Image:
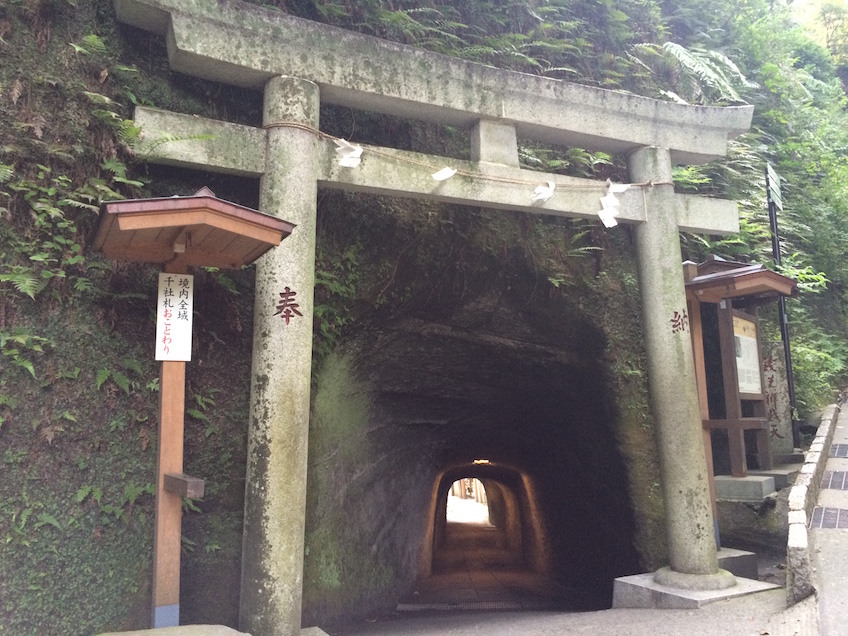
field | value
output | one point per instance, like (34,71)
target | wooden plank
(732,405)
(216,242)
(192,258)
(240,245)
(738,459)
(168,506)
(143,237)
(727,344)
(743,424)
(219,220)
(166,547)
(199,234)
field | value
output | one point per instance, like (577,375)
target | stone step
(784,475)
(739,563)
(750,488)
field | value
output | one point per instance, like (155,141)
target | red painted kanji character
(287,306)
(679,321)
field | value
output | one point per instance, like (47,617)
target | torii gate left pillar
(275,492)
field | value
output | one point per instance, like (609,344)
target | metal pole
(781,310)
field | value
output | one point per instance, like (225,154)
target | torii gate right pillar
(673,390)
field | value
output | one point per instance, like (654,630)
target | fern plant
(701,76)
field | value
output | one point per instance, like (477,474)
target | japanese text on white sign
(174,307)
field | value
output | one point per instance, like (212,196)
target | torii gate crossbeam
(298,63)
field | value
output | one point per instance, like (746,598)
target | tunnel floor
(475,570)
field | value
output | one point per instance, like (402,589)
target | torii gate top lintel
(209,39)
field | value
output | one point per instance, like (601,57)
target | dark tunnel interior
(530,395)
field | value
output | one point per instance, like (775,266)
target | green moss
(340,410)
(617,291)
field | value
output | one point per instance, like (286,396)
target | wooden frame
(736,422)
(196,231)
(721,282)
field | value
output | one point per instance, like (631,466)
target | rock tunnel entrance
(496,541)
(519,380)
(495,562)
(507,560)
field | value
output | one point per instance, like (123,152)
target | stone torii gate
(298,63)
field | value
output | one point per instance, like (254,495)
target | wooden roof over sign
(716,279)
(195,231)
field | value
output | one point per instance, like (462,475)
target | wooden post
(733,409)
(761,435)
(168,519)
(180,232)
(694,307)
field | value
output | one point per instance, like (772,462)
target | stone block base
(183,630)
(641,591)
(750,488)
(796,457)
(203,630)
(739,563)
(784,475)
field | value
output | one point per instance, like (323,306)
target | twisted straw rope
(465,173)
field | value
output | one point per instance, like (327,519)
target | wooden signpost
(178,233)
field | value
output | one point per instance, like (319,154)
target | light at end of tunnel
(481,461)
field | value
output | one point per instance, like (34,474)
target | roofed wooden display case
(723,297)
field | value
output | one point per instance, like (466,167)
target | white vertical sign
(747,356)
(174,307)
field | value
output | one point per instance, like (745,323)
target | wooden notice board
(728,294)
(749,376)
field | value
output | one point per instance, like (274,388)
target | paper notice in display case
(747,355)
(174,309)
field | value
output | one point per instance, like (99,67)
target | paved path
(829,536)
(745,616)
(763,614)
(476,578)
